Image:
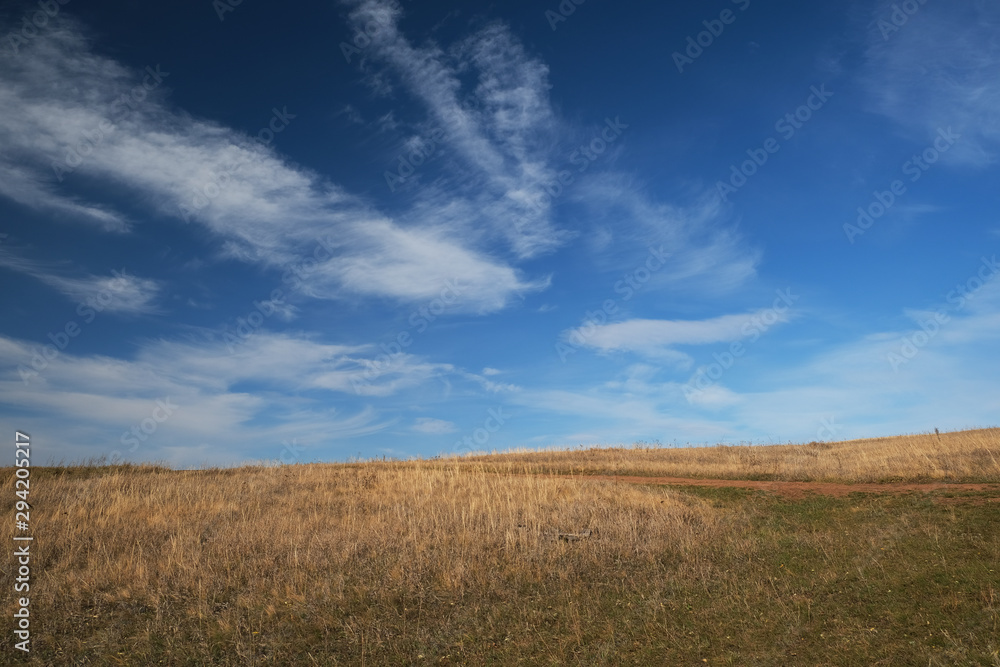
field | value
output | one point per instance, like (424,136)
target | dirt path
(800,489)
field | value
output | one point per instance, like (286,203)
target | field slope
(527,558)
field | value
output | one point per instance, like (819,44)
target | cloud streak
(60,97)
(938,70)
(289,376)
(120,293)
(503,129)
(640,335)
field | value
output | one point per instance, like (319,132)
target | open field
(481,561)
(964,456)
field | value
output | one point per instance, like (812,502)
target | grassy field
(480,561)
(964,456)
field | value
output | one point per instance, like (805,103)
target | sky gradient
(239,232)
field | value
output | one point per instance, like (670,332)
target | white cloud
(211,388)
(491,386)
(120,292)
(429,426)
(421,265)
(714,396)
(292,363)
(656,337)
(28,188)
(614,417)
(938,70)
(938,381)
(503,129)
(849,390)
(123,293)
(704,254)
(59,97)
(500,127)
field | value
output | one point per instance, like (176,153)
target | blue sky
(243,232)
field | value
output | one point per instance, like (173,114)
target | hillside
(483,561)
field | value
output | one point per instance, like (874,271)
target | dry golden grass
(968,456)
(239,551)
(445,562)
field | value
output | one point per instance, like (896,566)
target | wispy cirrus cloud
(938,70)
(268,211)
(271,387)
(490,98)
(843,391)
(430,426)
(658,337)
(120,292)
(503,128)
(59,98)
(30,188)
(706,255)
(289,362)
